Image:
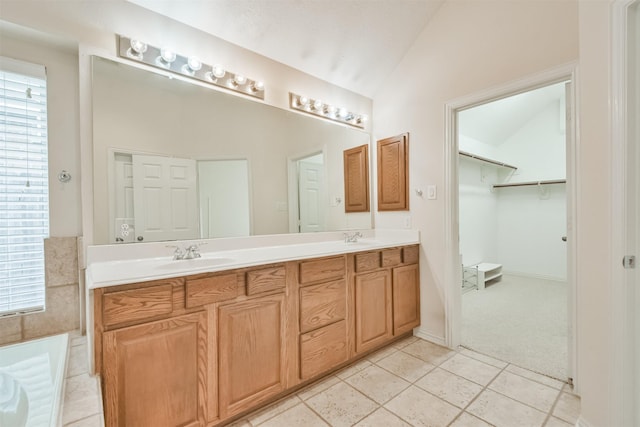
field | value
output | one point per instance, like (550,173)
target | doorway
(453,293)
(307,191)
(512,222)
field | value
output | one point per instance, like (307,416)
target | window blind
(24,189)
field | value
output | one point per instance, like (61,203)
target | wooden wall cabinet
(393,173)
(356,179)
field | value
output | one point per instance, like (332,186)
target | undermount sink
(185,264)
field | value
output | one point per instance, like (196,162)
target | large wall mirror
(174,160)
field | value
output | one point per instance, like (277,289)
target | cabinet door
(406,299)
(373,309)
(356,179)
(155,374)
(251,345)
(393,174)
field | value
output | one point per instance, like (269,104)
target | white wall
(467,47)
(478,212)
(62,122)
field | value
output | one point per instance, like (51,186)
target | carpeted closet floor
(521,320)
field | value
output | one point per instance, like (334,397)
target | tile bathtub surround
(62,301)
(417,383)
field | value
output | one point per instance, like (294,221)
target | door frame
(452,289)
(623,385)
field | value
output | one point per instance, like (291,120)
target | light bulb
(330,110)
(194,63)
(364,118)
(167,55)
(239,79)
(257,86)
(138,47)
(218,71)
(342,113)
(317,105)
(304,101)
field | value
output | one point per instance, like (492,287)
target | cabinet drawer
(322,304)
(391,257)
(265,279)
(211,289)
(323,349)
(322,270)
(137,304)
(367,261)
(410,255)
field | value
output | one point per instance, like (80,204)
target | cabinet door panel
(251,344)
(373,309)
(155,373)
(323,349)
(406,299)
(322,304)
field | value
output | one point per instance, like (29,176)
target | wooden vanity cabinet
(202,349)
(155,373)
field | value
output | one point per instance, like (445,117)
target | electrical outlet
(432,192)
(406,222)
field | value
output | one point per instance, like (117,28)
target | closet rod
(522,184)
(484,159)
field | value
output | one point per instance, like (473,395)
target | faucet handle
(178,253)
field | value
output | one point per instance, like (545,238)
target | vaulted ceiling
(354,44)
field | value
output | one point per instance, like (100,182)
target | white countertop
(111,265)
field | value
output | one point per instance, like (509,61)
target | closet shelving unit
(528,183)
(486,160)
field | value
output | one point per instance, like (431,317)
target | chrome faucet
(190,252)
(352,238)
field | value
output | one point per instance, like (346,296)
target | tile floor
(417,383)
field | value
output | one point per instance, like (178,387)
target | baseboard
(582,423)
(534,276)
(429,337)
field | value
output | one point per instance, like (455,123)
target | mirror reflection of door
(223,189)
(165,202)
(311,193)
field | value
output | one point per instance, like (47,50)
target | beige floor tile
(405,342)
(81,398)
(567,408)
(273,410)
(350,370)
(77,338)
(501,411)
(381,354)
(240,423)
(317,387)
(447,386)
(92,421)
(483,358)
(543,379)
(342,405)
(556,422)
(299,415)
(382,417)
(420,408)
(406,366)
(525,390)
(471,369)
(78,361)
(428,352)
(377,384)
(468,420)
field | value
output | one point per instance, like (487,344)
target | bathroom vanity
(209,339)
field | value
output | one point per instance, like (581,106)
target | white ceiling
(354,44)
(495,122)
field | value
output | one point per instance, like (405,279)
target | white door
(165,202)
(223,191)
(310,179)
(124,230)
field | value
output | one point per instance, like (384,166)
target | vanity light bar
(167,59)
(327,111)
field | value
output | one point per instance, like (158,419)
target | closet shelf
(522,184)
(486,160)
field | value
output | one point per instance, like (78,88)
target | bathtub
(31,380)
